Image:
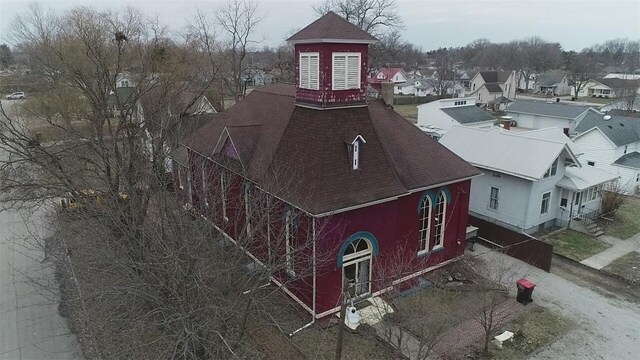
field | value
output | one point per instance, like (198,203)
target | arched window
(356,267)
(439,221)
(425,224)
(290,234)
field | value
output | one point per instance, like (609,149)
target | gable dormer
(330,59)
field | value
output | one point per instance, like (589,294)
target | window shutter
(314,69)
(353,67)
(339,72)
(304,71)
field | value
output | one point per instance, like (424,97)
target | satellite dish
(607,117)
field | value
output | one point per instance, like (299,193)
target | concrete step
(598,233)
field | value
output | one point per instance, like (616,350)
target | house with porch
(609,88)
(531,180)
(612,143)
(553,83)
(346,177)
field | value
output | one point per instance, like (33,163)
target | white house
(124,80)
(530,181)
(440,115)
(540,114)
(490,85)
(612,143)
(608,88)
(396,75)
(405,88)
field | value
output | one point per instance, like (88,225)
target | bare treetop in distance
(372,16)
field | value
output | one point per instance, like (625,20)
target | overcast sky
(428,23)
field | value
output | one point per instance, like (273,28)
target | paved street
(603,327)
(30,326)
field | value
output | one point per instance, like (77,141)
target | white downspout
(313,300)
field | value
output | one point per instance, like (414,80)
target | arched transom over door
(356,267)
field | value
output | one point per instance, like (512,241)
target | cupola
(331,57)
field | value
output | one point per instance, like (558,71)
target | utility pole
(343,313)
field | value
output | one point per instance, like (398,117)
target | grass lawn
(410,110)
(595,100)
(626,220)
(576,246)
(627,266)
(538,327)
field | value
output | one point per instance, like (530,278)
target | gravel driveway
(604,327)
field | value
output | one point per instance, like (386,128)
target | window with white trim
(247,207)
(289,234)
(205,193)
(439,221)
(223,193)
(425,224)
(309,70)
(493,198)
(356,154)
(346,71)
(544,204)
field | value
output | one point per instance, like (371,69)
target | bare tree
(372,16)
(581,71)
(443,80)
(238,19)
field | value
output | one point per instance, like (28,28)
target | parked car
(16,96)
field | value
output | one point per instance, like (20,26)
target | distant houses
(491,85)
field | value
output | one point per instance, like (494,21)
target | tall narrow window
(289,233)
(425,224)
(309,71)
(205,192)
(493,198)
(247,207)
(441,212)
(346,71)
(544,205)
(179,178)
(223,193)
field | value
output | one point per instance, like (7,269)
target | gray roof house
(540,114)
(552,83)
(437,117)
(531,180)
(612,143)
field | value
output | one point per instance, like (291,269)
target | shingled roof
(621,130)
(331,27)
(275,138)
(495,76)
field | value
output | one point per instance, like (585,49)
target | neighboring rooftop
(468,114)
(631,159)
(493,87)
(578,179)
(621,130)
(551,109)
(495,76)
(550,79)
(617,83)
(505,152)
(331,27)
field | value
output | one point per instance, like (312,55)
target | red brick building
(347,178)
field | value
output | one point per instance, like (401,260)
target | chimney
(387,93)
(505,122)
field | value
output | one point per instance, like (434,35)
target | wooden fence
(515,244)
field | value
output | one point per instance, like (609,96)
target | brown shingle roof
(277,140)
(332,26)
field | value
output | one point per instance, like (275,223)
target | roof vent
(621,124)
(607,117)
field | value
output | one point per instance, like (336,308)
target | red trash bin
(525,291)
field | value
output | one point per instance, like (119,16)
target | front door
(356,269)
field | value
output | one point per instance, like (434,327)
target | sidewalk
(617,250)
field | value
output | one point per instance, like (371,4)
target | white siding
(539,121)
(598,149)
(514,193)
